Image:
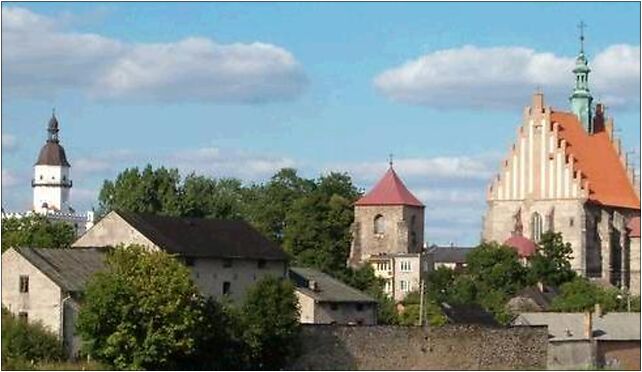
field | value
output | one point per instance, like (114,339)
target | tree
(144,312)
(439,284)
(495,266)
(27,342)
(270,318)
(551,263)
(36,231)
(150,191)
(432,312)
(205,197)
(580,294)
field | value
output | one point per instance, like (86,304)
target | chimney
(588,325)
(312,284)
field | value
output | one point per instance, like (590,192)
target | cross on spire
(581,26)
(390,159)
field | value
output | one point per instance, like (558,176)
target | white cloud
(9,142)
(440,167)
(229,163)
(503,77)
(40,57)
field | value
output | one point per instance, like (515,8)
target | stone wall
(624,355)
(451,347)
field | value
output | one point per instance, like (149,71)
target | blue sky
(242,89)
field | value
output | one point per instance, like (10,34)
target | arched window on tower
(378,224)
(536,227)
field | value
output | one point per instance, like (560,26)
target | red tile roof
(524,246)
(596,157)
(390,190)
(634,227)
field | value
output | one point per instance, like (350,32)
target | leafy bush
(24,343)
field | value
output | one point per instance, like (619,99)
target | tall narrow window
(536,227)
(405,266)
(24,283)
(404,286)
(378,224)
(226,288)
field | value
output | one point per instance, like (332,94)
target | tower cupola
(581,99)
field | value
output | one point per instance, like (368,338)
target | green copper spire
(581,99)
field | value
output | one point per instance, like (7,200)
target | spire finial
(390,159)
(581,26)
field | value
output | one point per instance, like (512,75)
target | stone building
(566,172)
(388,233)
(45,285)
(325,300)
(634,247)
(52,185)
(224,256)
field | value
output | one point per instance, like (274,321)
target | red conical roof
(390,190)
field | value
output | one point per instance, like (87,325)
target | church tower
(387,220)
(51,183)
(581,99)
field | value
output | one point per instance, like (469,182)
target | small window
(404,286)
(24,284)
(227,288)
(261,264)
(334,307)
(359,307)
(227,262)
(41,176)
(405,266)
(536,227)
(23,316)
(571,222)
(378,224)
(64,178)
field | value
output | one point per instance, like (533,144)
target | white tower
(51,183)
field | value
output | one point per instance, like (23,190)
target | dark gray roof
(329,289)
(468,314)
(449,254)
(204,237)
(543,299)
(52,153)
(69,268)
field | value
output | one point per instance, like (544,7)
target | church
(567,172)
(52,185)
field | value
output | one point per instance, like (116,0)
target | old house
(587,340)
(224,256)
(567,172)
(388,234)
(450,257)
(45,285)
(325,300)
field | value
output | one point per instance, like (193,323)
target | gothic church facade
(567,172)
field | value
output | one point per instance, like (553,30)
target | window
(378,224)
(261,264)
(404,286)
(536,227)
(387,287)
(227,262)
(334,306)
(23,316)
(571,222)
(405,266)
(359,307)
(413,239)
(24,284)
(41,176)
(227,288)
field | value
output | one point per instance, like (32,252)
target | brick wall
(413,348)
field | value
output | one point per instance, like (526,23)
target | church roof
(524,246)
(52,153)
(390,190)
(596,157)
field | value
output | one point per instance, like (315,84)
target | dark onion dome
(52,154)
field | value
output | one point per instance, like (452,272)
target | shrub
(27,342)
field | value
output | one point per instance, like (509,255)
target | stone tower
(387,220)
(51,183)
